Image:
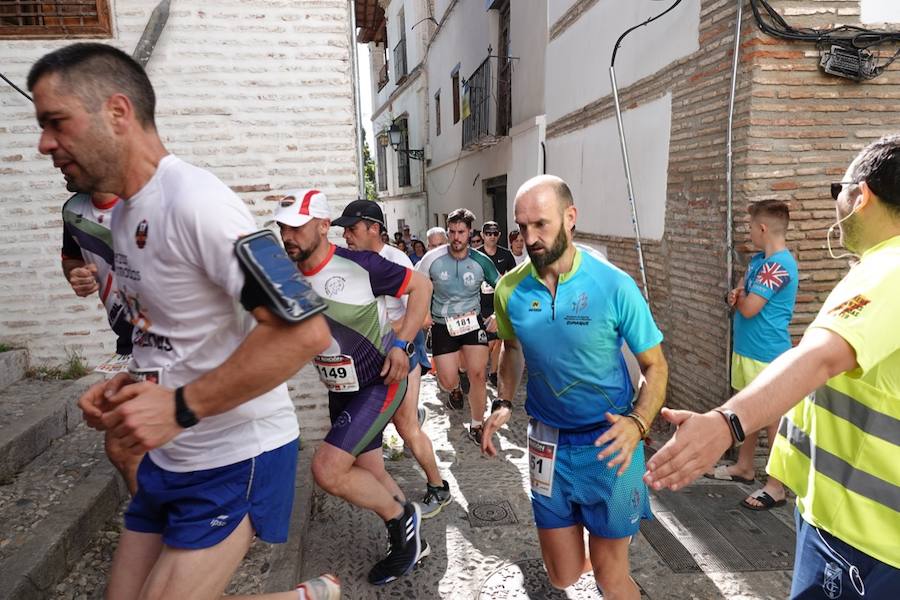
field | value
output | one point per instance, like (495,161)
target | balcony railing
(383,76)
(400,60)
(477,124)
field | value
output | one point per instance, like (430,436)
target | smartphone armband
(264,259)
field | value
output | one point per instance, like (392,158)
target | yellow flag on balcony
(466,101)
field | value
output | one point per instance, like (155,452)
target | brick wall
(259,92)
(796,129)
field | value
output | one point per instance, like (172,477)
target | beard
(551,255)
(299,254)
(850,233)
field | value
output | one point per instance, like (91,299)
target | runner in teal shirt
(568,313)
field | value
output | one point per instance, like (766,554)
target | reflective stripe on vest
(840,456)
(839,470)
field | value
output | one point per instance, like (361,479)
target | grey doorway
(495,200)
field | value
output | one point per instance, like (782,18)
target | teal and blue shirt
(765,336)
(573,342)
(457,282)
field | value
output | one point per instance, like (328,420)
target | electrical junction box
(851,63)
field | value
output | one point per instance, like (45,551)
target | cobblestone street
(484,544)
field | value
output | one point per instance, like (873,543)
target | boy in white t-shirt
(209,405)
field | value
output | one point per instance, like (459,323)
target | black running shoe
(456,399)
(436,498)
(406,547)
(464,382)
(476,434)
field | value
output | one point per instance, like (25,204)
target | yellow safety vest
(839,448)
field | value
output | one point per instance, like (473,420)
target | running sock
(475,423)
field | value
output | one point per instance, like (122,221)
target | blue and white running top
(457,283)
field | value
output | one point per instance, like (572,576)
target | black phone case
(293,309)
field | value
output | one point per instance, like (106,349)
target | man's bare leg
(447,366)
(476,355)
(335,472)
(133,560)
(407,423)
(612,570)
(373,462)
(564,555)
(124,461)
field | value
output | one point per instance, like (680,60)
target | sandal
(767,501)
(720,473)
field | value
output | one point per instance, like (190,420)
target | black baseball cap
(360,210)
(490,227)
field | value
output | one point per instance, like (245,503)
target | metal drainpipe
(354,64)
(729,183)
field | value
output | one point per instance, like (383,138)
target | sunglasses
(492,233)
(837,186)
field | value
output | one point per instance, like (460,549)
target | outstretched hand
(699,441)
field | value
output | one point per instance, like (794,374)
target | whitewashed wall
(259,92)
(578,60)
(590,161)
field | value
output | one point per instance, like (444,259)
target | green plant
(75,367)
(5,347)
(369,175)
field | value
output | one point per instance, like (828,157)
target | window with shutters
(61,19)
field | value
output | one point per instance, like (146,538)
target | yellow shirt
(839,448)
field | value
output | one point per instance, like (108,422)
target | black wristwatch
(734,425)
(407,347)
(184,416)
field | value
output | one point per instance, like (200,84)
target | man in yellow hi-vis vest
(839,447)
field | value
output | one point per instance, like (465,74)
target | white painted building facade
(588,157)
(258,92)
(480,48)
(399,90)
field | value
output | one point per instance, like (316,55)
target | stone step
(50,511)
(13,364)
(33,413)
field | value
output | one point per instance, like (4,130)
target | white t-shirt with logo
(178,274)
(396,307)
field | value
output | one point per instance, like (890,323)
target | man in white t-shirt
(363,223)
(207,400)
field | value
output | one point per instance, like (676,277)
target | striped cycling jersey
(87,237)
(354,285)
(457,283)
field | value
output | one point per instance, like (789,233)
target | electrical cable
(15,87)
(627,31)
(849,37)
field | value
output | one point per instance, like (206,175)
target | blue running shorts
(420,356)
(587,492)
(199,509)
